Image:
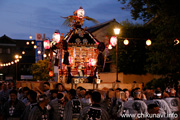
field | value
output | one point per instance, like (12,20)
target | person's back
(136,106)
(57,108)
(94,112)
(73,106)
(162,104)
(39,112)
(32,97)
(173,101)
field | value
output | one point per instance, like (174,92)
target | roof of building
(99,26)
(6,40)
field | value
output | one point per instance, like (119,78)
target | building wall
(129,78)
(23,67)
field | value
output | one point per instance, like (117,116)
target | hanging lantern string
(17,58)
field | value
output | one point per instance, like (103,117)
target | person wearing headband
(163,106)
(40,112)
(57,107)
(136,106)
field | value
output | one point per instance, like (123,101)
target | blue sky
(21,18)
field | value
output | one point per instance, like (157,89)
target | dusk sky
(21,18)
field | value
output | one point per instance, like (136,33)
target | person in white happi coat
(173,101)
(163,106)
(136,106)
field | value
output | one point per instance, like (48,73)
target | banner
(39,50)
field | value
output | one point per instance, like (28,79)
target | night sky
(21,18)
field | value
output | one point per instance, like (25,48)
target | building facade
(16,70)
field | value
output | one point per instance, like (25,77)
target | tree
(40,70)
(163,17)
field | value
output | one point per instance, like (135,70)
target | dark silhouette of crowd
(81,104)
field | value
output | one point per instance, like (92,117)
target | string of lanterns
(12,62)
(17,57)
(113,42)
(48,44)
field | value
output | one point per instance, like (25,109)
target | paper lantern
(148,42)
(56,37)
(80,12)
(126,42)
(92,62)
(176,41)
(51,73)
(47,44)
(113,40)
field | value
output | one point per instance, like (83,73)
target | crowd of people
(81,104)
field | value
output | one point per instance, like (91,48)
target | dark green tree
(40,70)
(163,17)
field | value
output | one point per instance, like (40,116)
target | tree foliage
(168,81)
(163,17)
(40,70)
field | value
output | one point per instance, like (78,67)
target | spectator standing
(60,88)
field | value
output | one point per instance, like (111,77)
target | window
(8,50)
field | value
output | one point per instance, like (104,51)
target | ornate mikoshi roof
(82,37)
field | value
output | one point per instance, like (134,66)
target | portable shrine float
(79,53)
